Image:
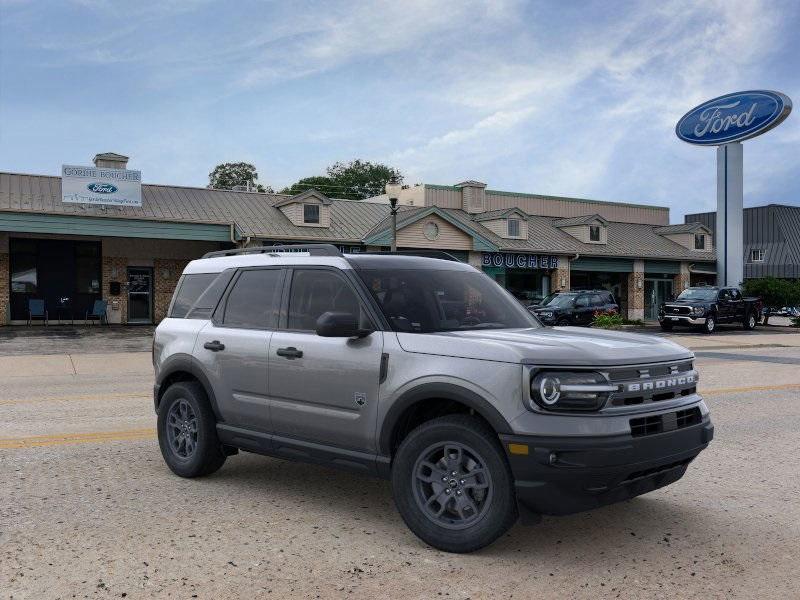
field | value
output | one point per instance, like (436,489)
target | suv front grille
(654,424)
(652,383)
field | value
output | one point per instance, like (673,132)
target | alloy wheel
(182,429)
(452,486)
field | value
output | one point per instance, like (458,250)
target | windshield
(430,301)
(698,294)
(559,300)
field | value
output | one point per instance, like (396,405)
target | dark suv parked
(575,307)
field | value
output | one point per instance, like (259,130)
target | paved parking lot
(87,508)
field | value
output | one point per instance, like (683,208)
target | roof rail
(440,254)
(312,249)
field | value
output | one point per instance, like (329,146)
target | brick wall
(636,291)
(559,278)
(115,268)
(682,280)
(166,272)
(4,290)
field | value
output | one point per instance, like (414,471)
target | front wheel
(710,325)
(187,431)
(452,484)
(750,321)
(665,326)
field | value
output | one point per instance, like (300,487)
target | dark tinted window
(317,291)
(311,213)
(189,290)
(735,295)
(426,301)
(597,300)
(253,301)
(582,302)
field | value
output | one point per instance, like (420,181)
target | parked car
(706,307)
(476,412)
(575,307)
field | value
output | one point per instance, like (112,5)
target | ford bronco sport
(422,371)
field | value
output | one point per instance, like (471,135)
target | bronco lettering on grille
(661,384)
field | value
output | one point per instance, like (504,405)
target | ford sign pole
(725,122)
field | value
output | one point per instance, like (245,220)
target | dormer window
(513,228)
(311,214)
(594,233)
(699,241)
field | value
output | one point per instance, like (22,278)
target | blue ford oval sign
(101,188)
(733,117)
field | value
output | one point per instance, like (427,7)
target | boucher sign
(519,261)
(93,185)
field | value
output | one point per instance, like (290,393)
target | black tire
(750,321)
(461,440)
(563,323)
(710,326)
(666,326)
(189,450)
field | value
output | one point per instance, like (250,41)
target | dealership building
(70,248)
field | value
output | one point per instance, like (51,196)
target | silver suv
(423,371)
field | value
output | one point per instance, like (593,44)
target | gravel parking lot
(88,509)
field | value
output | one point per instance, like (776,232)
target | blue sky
(565,98)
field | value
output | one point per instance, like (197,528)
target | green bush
(774,292)
(795,321)
(607,320)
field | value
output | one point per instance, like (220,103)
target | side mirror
(340,324)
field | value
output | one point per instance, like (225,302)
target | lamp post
(393,188)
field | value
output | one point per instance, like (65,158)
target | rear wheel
(187,432)
(750,321)
(452,484)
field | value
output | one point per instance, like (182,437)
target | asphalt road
(88,509)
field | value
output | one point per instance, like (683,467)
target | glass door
(656,292)
(140,295)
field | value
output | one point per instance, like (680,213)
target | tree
(317,182)
(355,180)
(774,292)
(228,175)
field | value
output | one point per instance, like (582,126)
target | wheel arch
(412,400)
(182,367)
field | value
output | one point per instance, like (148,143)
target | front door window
(140,295)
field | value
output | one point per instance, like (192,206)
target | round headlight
(549,390)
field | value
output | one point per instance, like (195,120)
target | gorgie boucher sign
(93,185)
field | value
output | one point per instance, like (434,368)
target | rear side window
(597,300)
(582,302)
(188,291)
(253,302)
(317,291)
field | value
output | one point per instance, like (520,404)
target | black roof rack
(440,254)
(312,249)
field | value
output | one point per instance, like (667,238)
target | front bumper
(682,320)
(564,475)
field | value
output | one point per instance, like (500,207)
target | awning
(703,269)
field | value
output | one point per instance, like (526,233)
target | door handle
(214,346)
(290,352)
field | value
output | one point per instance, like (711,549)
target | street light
(393,188)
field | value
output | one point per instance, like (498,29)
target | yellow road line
(752,388)
(76,438)
(74,398)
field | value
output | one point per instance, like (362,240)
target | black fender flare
(187,364)
(446,391)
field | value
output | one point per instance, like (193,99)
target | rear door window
(189,290)
(582,302)
(253,301)
(317,291)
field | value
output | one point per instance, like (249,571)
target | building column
(5,295)
(115,268)
(559,277)
(166,272)
(475,259)
(682,280)
(636,291)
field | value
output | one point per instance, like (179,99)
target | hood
(562,346)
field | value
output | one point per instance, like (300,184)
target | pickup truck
(706,307)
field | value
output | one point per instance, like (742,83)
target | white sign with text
(95,185)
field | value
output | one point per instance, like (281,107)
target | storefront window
(87,268)
(24,275)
